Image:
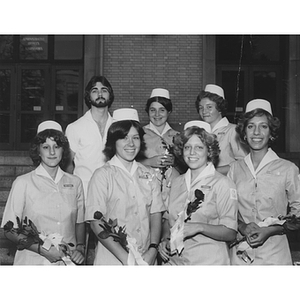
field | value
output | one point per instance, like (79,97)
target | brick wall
(135,64)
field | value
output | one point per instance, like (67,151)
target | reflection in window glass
(66,90)
(248,48)
(5,82)
(32,90)
(6,47)
(264,86)
(229,84)
(65,119)
(4,127)
(29,123)
(34,47)
(68,47)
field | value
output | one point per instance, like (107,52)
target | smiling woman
(268,188)
(159,140)
(126,191)
(199,238)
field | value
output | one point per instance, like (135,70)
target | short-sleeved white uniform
(219,208)
(230,147)
(54,206)
(128,197)
(266,192)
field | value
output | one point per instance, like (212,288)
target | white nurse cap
(125,114)
(160,93)
(199,124)
(215,89)
(259,103)
(49,125)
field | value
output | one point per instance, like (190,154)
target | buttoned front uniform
(156,145)
(87,144)
(54,206)
(266,192)
(129,197)
(219,208)
(230,147)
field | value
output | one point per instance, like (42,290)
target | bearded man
(87,135)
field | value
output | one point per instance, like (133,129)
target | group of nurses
(260,186)
(246,205)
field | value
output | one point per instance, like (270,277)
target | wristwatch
(153,245)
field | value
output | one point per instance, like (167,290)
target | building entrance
(34,90)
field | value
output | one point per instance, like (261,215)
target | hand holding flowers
(51,246)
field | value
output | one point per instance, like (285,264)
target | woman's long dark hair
(57,136)
(119,130)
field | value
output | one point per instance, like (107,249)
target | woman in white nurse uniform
(267,185)
(128,191)
(203,238)
(51,198)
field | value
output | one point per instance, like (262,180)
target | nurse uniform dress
(262,193)
(230,147)
(219,208)
(156,145)
(54,206)
(128,197)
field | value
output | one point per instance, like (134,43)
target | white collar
(222,123)
(269,156)
(115,161)
(41,171)
(88,114)
(153,128)
(208,170)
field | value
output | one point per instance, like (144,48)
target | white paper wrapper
(244,246)
(134,256)
(55,239)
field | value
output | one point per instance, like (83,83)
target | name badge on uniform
(68,185)
(146,175)
(206,187)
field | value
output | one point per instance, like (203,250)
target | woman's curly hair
(57,136)
(118,131)
(221,103)
(208,139)
(274,124)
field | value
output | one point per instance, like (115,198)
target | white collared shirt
(269,156)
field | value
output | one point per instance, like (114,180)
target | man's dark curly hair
(93,81)
(274,124)
(208,139)
(119,130)
(221,103)
(57,136)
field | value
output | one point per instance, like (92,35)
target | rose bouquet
(111,228)
(27,232)
(194,205)
(119,235)
(177,236)
(28,235)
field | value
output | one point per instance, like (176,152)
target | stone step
(3,196)
(6,182)
(15,160)
(14,170)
